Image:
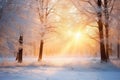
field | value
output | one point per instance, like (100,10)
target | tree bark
(118,48)
(41,50)
(20,55)
(20,51)
(101,34)
(106,13)
(107,41)
(102,45)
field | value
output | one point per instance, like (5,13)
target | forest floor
(59,69)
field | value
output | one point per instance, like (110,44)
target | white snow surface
(59,69)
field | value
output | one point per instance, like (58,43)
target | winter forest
(59,39)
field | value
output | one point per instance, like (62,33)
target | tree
(14,16)
(106,13)
(101,34)
(44,9)
(118,39)
(20,50)
(118,46)
(116,13)
(95,11)
(108,7)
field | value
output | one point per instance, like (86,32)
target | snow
(23,14)
(60,69)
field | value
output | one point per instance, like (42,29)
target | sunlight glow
(73,39)
(78,35)
(70,33)
(75,35)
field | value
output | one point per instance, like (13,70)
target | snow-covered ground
(60,69)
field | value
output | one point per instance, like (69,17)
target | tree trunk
(34,49)
(20,55)
(41,50)
(20,51)
(106,13)
(101,35)
(118,48)
(107,41)
(102,45)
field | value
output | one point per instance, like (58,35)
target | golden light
(74,35)
(69,33)
(73,38)
(77,35)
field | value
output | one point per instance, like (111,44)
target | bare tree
(19,56)
(106,26)
(11,24)
(118,39)
(101,34)
(116,14)
(118,45)
(95,10)
(108,6)
(44,9)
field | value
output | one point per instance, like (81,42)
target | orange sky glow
(72,38)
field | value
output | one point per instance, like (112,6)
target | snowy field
(59,69)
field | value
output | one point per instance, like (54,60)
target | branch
(94,38)
(92,4)
(48,12)
(76,5)
(112,7)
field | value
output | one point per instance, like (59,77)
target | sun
(77,35)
